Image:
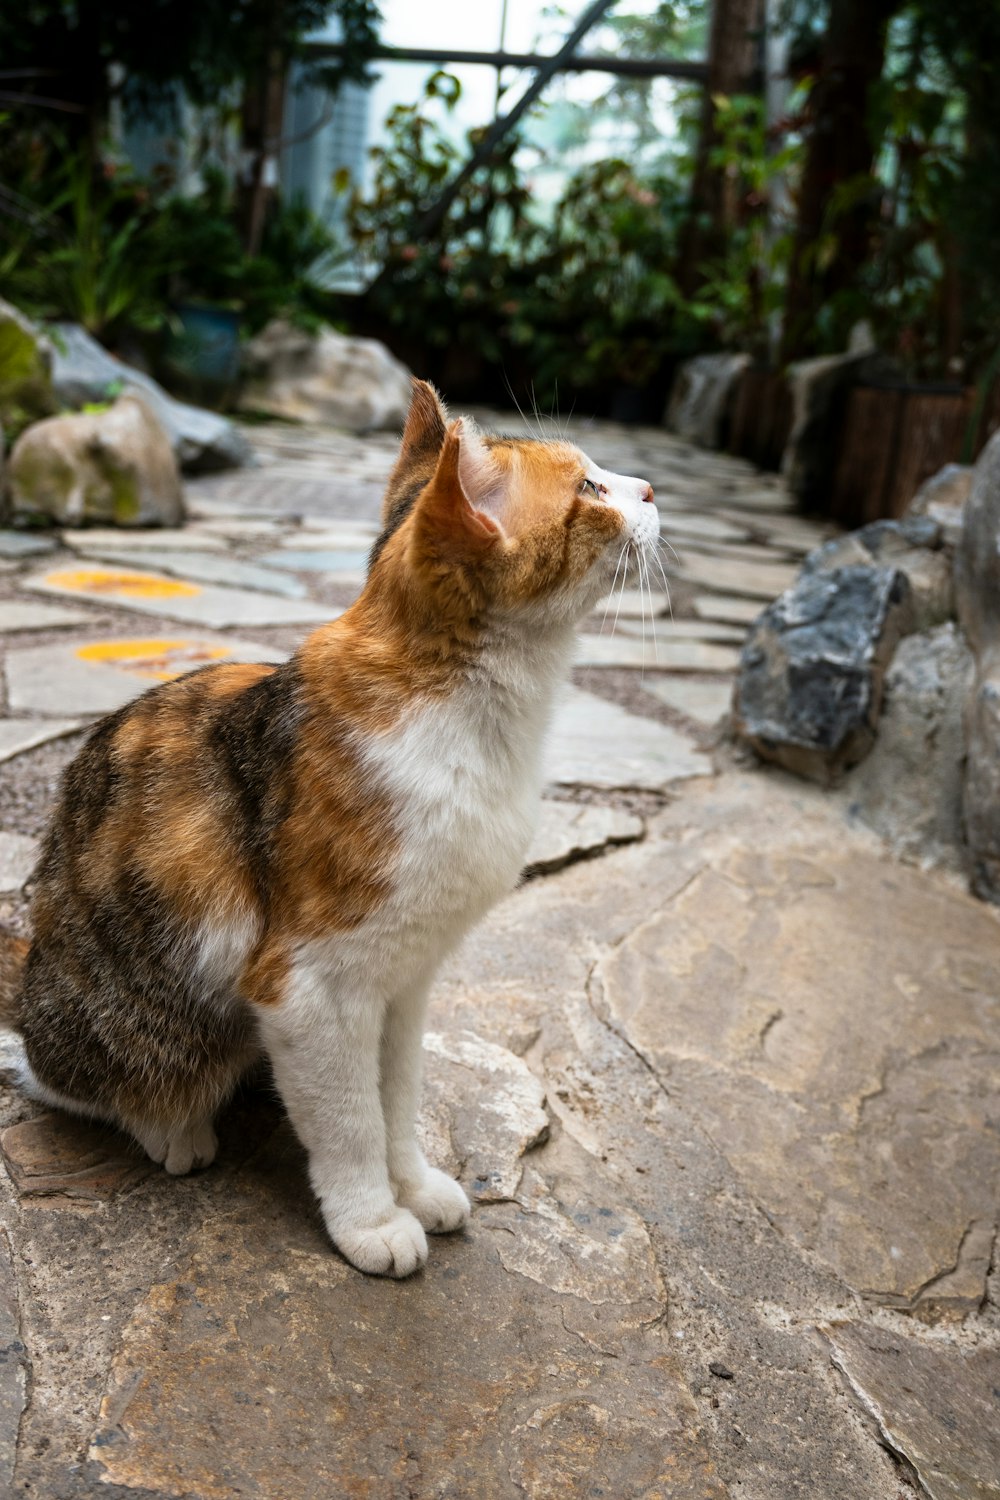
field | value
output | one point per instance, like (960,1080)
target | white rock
(329,377)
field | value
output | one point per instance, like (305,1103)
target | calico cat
(260,859)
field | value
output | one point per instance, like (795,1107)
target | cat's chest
(464,791)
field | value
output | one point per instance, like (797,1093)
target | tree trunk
(734,55)
(839,151)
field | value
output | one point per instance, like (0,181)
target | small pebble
(720,1370)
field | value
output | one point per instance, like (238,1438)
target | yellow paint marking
(162,660)
(114,581)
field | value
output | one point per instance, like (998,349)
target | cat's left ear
(465,501)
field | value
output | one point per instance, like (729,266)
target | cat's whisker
(611,591)
(661,541)
(621,591)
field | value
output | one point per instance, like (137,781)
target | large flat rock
(98,676)
(568,831)
(205,605)
(596,743)
(210,567)
(829,1017)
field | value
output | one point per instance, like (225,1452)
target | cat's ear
(463,505)
(423,435)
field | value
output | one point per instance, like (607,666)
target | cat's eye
(597,490)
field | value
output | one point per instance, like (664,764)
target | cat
(273,860)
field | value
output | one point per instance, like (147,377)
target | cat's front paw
(437,1201)
(396,1248)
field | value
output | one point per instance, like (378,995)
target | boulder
(82,372)
(909,789)
(809,690)
(328,377)
(977,592)
(25,370)
(914,546)
(942,498)
(702,395)
(819,389)
(111,467)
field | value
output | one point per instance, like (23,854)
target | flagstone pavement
(720,1078)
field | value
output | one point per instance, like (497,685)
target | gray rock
(702,395)
(909,789)
(349,382)
(819,390)
(18,855)
(25,370)
(977,591)
(943,497)
(108,466)
(977,559)
(810,685)
(202,440)
(913,545)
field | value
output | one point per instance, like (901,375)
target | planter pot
(201,354)
(761,417)
(639,404)
(891,440)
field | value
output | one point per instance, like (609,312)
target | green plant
(742,290)
(91,253)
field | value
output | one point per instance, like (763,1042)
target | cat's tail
(13,952)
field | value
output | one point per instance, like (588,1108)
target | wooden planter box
(762,418)
(892,439)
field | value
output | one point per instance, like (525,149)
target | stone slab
(18,856)
(237,530)
(203,605)
(654,654)
(13,1368)
(728,610)
(142,539)
(26,614)
(596,743)
(98,676)
(568,831)
(352,563)
(729,575)
(935,1404)
(211,567)
(706,528)
(349,536)
(714,631)
(58,1160)
(19,735)
(705,702)
(18,544)
(633,604)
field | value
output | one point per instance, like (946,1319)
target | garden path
(719,1077)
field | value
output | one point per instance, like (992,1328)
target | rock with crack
(809,690)
(935,1405)
(568,831)
(483,1110)
(113,467)
(850,1084)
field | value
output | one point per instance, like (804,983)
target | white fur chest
(465,793)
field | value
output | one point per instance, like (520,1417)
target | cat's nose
(646,494)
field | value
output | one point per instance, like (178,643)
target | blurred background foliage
(866,193)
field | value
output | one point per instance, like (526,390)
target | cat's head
(511,526)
